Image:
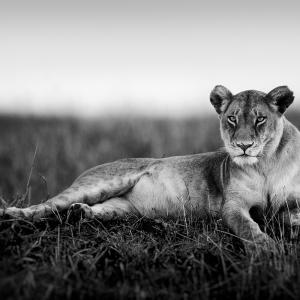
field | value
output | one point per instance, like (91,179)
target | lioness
(259,167)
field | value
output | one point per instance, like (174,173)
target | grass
(136,258)
(139,259)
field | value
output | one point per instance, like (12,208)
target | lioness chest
(263,188)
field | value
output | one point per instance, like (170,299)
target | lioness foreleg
(237,217)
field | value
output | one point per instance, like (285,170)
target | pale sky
(91,58)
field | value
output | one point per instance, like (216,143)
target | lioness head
(250,121)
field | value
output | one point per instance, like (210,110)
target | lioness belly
(164,193)
(152,197)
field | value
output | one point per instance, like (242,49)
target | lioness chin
(259,167)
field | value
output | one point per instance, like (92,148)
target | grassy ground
(135,258)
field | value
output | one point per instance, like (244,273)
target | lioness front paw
(261,244)
(81,211)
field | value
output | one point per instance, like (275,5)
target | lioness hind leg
(86,189)
(34,212)
(115,207)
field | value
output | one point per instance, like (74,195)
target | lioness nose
(244,146)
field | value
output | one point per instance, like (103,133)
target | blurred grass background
(68,146)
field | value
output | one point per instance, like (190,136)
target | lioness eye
(232,120)
(260,120)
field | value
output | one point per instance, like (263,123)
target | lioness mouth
(246,155)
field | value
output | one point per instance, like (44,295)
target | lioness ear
(281,98)
(220,97)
